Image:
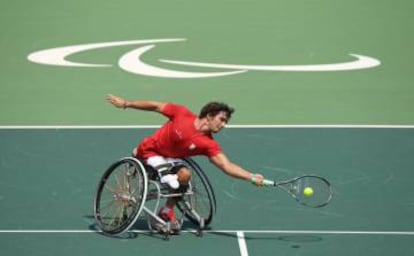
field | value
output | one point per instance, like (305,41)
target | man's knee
(184,175)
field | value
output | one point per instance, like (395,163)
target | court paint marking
(80,127)
(237,232)
(242,243)
(132,61)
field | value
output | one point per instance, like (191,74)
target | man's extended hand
(116,101)
(257,179)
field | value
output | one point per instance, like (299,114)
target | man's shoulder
(172,109)
(207,139)
(209,145)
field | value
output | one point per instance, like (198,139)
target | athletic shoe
(168,215)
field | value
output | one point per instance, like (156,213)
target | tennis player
(184,135)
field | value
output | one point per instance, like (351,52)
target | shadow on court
(295,240)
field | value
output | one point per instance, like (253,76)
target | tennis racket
(308,190)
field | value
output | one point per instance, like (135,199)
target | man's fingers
(114,100)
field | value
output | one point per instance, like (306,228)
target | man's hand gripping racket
(308,190)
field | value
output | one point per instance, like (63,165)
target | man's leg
(184,176)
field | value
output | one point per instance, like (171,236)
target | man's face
(217,122)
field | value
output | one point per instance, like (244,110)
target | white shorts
(155,161)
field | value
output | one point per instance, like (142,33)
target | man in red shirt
(184,135)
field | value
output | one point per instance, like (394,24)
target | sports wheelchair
(128,188)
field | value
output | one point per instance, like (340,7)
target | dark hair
(213,108)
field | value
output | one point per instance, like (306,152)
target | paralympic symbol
(132,61)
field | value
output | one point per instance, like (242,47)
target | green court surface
(277,62)
(228,32)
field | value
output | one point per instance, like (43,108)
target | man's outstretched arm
(222,162)
(146,105)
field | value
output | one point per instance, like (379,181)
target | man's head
(217,115)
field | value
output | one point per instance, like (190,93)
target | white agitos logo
(132,61)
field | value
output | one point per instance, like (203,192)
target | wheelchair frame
(128,185)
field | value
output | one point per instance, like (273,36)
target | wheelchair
(128,188)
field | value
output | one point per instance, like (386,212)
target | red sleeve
(171,110)
(213,149)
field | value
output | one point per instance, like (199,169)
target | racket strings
(321,191)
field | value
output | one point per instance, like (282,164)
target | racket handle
(268,183)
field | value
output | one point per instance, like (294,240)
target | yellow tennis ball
(308,191)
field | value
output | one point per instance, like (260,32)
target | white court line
(292,232)
(70,127)
(239,233)
(242,244)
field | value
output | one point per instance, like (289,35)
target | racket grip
(268,183)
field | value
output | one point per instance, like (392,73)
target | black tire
(203,201)
(120,196)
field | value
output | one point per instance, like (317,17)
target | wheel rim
(120,196)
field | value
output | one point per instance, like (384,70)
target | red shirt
(178,138)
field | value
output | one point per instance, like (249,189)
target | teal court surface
(49,177)
(320,87)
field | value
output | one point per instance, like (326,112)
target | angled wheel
(199,206)
(120,196)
